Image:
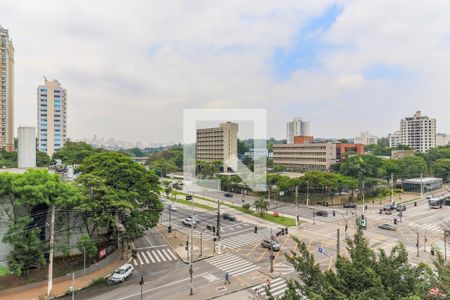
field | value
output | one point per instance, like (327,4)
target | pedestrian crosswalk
(426,227)
(277,288)
(245,239)
(232,264)
(153,256)
(440,246)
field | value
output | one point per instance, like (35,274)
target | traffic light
(169,229)
(187,245)
(256,229)
(395,220)
(286,230)
(142,281)
(432,251)
(133,253)
(334,213)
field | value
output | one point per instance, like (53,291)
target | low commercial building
(366,138)
(426,184)
(308,156)
(341,149)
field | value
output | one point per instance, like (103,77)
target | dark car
(388,207)
(229,217)
(349,205)
(267,244)
(228,195)
(401,208)
(321,213)
(388,227)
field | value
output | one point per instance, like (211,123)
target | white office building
(442,139)
(295,128)
(365,138)
(52,116)
(418,132)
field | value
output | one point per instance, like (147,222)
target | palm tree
(262,205)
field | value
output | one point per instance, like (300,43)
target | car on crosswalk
(389,227)
(121,274)
(350,205)
(321,213)
(195,218)
(228,195)
(189,222)
(268,244)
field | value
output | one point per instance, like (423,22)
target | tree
(87,245)
(27,248)
(242,147)
(262,205)
(388,167)
(412,167)
(365,275)
(42,159)
(131,191)
(74,152)
(441,168)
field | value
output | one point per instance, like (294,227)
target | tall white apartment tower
(52,116)
(295,128)
(6,91)
(418,132)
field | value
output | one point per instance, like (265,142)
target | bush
(246,206)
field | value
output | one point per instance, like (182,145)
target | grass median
(189,203)
(285,221)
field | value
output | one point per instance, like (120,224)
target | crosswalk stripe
(232,264)
(151,257)
(145,257)
(140,259)
(249,269)
(156,256)
(135,262)
(162,256)
(170,252)
(165,254)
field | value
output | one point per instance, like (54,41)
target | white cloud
(131,67)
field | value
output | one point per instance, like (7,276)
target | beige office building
(309,156)
(218,144)
(6,91)
(52,116)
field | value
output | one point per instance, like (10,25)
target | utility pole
(392,187)
(425,243)
(296,206)
(363,196)
(338,245)
(421,186)
(445,246)
(218,226)
(417,244)
(84,261)
(50,256)
(73,285)
(314,215)
(307,193)
(271,250)
(191,270)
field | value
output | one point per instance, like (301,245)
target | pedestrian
(268,283)
(227,278)
(257,294)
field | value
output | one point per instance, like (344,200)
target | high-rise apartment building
(218,144)
(365,138)
(295,128)
(52,116)
(6,91)
(442,139)
(418,132)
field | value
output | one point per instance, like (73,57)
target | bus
(437,202)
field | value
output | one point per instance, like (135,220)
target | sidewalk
(60,285)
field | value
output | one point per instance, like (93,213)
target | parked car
(321,213)
(121,274)
(228,195)
(350,205)
(388,207)
(388,227)
(189,222)
(267,244)
(172,207)
(228,216)
(162,199)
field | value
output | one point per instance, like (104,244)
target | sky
(131,67)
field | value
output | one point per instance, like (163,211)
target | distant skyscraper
(418,132)
(295,128)
(52,116)
(6,91)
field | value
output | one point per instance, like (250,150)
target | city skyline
(292,58)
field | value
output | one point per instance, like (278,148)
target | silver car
(189,222)
(121,274)
(267,244)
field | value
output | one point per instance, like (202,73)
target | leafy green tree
(27,248)
(75,152)
(388,167)
(87,245)
(242,147)
(131,191)
(261,205)
(366,275)
(412,167)
(441,168)
(42,159)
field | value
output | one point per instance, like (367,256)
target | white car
(172,207)
(121,274)
(189,222)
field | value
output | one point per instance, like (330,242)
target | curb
(170,245)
